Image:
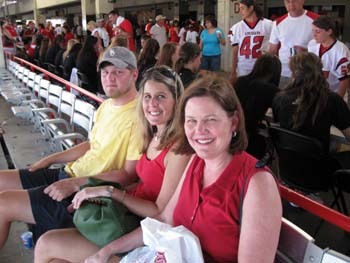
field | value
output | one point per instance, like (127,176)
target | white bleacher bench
(63,124)
(15,94)
(41,87)
(297,246)
(82,122)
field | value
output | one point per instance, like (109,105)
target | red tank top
(213,213)
(13,33)
(151,174)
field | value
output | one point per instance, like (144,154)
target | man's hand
(43,163)
(62,189)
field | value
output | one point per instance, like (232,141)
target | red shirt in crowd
(12,31)
(173,35)
(126,26)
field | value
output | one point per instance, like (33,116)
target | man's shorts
(48,213)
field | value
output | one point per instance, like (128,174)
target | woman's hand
(89,192)
(102,256)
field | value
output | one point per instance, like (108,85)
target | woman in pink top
(159,168)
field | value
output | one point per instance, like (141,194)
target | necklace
(156,137)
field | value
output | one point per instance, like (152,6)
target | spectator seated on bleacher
(188,63)
(307,105)
(256,92)
(87,61)
(40,196)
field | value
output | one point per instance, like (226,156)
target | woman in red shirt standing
(174,32)
(9,37)
(68,35)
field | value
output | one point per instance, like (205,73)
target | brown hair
(257,8)
(326,23)
(119,41)
(166,54)
(309,87)
(187,53)
(219,89)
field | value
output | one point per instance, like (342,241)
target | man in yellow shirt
(39,195)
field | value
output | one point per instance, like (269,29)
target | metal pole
(7,8)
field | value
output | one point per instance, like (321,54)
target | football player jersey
(251,41)
(289,32)
(335,60)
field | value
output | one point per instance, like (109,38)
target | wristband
(110,190)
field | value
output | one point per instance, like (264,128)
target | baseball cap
(160,17)
(120,57)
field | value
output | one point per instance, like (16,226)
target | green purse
(102,220)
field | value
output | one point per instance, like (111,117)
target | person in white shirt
(192,35)
(101,32)
(249,38)
(291,34)
(158,31)
(58,29)
(183,33)
(334,54)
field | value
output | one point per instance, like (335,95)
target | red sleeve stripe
(312,15)
(341,61)
(281,18)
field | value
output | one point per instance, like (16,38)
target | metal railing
(50,76)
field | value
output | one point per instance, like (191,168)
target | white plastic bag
(140,255)
(165,243)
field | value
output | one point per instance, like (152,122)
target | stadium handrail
(328,214)
(49,75)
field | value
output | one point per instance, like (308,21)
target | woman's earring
(234,134)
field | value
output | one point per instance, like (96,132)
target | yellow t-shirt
(113,140)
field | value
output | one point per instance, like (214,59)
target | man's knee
(10,179)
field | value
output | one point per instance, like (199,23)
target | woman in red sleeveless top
(233,207)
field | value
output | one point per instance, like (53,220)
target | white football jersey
(336,62)
(251,41)
(291,31)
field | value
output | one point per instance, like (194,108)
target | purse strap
(241,195)
(259,164)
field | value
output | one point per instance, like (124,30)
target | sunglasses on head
(166,72)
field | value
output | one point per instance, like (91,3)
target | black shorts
(48,213)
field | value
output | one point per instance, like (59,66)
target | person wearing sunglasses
(159,168)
